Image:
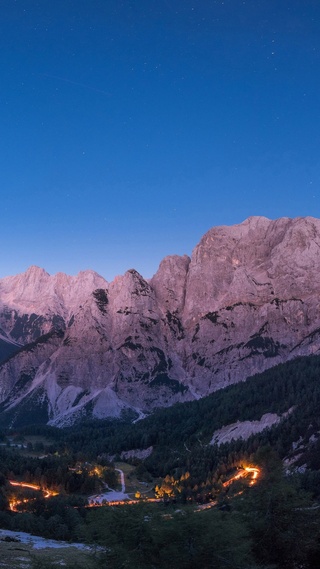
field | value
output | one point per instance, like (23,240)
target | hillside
(73,347)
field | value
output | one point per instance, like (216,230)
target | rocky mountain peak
(250,261)
(35,291)
(35,272)
(247,299)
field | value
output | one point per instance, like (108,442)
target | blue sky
(129,128)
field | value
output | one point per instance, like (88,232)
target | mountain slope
(247,300)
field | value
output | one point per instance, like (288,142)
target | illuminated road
(244,473)
(120,498)
(46,493)
(251,471)
(14,503)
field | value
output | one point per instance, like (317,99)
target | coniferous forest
(198,517)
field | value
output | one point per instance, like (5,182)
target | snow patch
(39,542)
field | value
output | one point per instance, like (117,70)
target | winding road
(46,493)
(244,473)
(120,496)
(111,495)
(249,471)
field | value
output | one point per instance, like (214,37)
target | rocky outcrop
(244,429)
(246,300)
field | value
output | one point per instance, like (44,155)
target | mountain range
(78,346)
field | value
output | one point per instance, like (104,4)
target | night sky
(129,128)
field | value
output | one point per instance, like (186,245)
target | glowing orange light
(255,473)
(14,503)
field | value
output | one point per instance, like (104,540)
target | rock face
(247,299)
(244,429)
